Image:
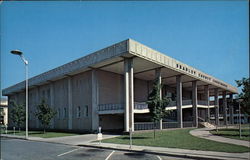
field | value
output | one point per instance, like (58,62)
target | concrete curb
(37,140)
(13,136)
(203,157)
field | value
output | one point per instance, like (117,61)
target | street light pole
(19,53)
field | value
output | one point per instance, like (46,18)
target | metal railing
(188,124)
(165,125)
(172,104)
(201,102)
(186,102)
(144,105)
(201,119)
(107,107)
(145,126)
(169,125)
(140,105)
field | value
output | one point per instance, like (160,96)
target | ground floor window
(78,112)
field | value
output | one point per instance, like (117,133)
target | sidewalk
(204,133)
(184,153)
(69,140)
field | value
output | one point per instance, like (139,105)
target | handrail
(203,120)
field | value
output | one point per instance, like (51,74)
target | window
(78,112)
(48,93)
(64,112)
(58,113)
(43,94)
(86,110)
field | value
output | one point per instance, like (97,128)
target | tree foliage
(2,113)
(17,113)
(245,94)
(157,105)
(45,114)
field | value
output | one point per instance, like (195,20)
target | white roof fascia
(152,55)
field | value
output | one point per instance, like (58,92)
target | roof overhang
(145,61)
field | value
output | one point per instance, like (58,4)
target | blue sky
(210,36)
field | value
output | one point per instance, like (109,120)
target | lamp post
(19,53)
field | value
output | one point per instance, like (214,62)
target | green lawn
(179,138)
(41,134)
(233,133)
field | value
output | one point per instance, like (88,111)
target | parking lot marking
(67,152)
(159,157)
(109,155)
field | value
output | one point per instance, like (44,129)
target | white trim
(67,152)
(109,155)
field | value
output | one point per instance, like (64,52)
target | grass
(233,133)
(179,138)
(40,134)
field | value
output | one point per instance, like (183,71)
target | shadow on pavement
(134,154)
(136,138)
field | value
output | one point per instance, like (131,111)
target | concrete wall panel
(81,91)
(111,88)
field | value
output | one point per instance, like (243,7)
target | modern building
(109,88)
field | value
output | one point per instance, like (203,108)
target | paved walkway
(70,140)
(204,133)
(185,153)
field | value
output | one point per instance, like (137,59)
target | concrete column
(216,105)
(194,102)
(206,88)
(231,110)
(225,107)
(158,75)
(129,95)
(52,105)
(126,90)
(69,103)
(179,100)
(95,100)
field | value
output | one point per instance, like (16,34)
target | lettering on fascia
(220,83)
(185,69)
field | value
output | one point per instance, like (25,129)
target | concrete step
(206,125)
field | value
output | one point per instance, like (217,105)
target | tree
(245,94)
(17,114)
(157,105)
(2,114)
(45,114)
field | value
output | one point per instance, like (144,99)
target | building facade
(109,88)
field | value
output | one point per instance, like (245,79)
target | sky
(210,36)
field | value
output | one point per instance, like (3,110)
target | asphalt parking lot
(17,149)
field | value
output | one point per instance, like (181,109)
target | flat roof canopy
(145,70)
(146,60)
